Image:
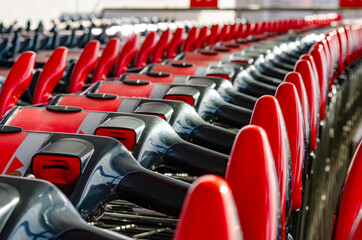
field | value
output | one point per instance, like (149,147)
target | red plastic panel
(305,70)
(126,90)
(48,121)
(252,178)
(209,212)
(125,136)
(146,50)
(161,46)
(161,79)
(107,60)
(195,62)
(289,102)
(9,144)
(189,43)
(203,3)
(203,35)
(268,115)
(201,56)
(63,170)
(17,81)
(189,70)
(187,99)
(175,44)
(86,103)
(85,65)
(351,201)
(350,3)
(50,76)
(126,56)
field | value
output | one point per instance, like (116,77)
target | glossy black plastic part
(63,109)
(235,117)
(213,137)
(34,209)
(197,161)
(139,187)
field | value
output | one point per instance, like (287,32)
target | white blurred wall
(21,10)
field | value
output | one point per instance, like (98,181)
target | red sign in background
(203,3)
(350,3)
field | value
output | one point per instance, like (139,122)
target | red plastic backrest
(107,60)
(320,62)
(214,34)
(208,212)
(161,46)
(190,39)
(147,48)
(350,202)
(203,35)
(304,68)
(85,65)
(175,43)
(127,55)
(53,71)
(268,115)
(290,105)
(296,79)
(17,81)
(252,178)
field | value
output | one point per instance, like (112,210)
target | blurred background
(253,10)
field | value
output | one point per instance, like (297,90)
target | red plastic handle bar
(146,50)
(53,71)
(321,63)
(290,105)
(305,69)
(209,205)
(17,81)
(296,79)
(350,203)
(232,32)
(268,115)
(190,40)
(162,46)
(107,60)
(224,33)
(126,56)
(215,31)
(175,44)
(85,65)
(203,35)
(252,178)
